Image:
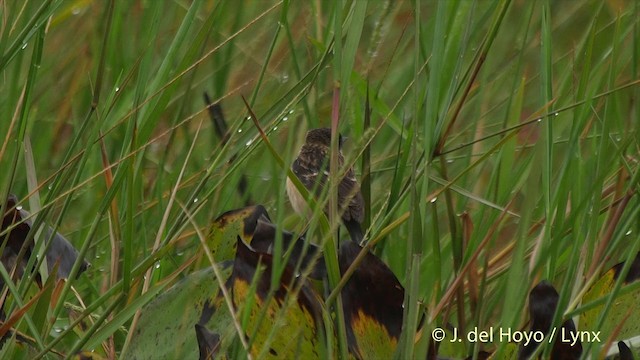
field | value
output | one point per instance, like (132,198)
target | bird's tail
(355,231)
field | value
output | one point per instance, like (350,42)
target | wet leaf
(625,306)
(279,320)
(543,301)
(285,323)
(372,302)
(227,227)
(166,326)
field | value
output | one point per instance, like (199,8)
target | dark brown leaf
(301,318)
(634,270)
(625,352)
(208,342)
(60,251)
(543,301)
(303,253)
(372,300)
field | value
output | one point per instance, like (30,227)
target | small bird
(312,168)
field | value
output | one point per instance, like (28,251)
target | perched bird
(312,168)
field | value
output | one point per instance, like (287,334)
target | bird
(311,166)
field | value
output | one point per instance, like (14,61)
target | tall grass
(503,144)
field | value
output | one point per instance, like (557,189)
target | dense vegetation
(501,149)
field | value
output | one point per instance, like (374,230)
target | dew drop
(157,266)
(75,11)
(285,118)
(24,46)
(556,114)
(628,233)
(117,89)
(248,143)
(195,200)
(433,200)
(57,330)
(539,120)
(19,208)
(239,130)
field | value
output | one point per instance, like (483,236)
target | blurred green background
(503,139)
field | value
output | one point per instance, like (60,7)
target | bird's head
(321,136)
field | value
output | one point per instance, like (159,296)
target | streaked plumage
(312,168)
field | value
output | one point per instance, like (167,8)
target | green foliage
(171,337)
(520,115)
(622,321)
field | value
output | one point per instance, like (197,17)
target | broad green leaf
(228,226)
(167,325)
(624,312)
